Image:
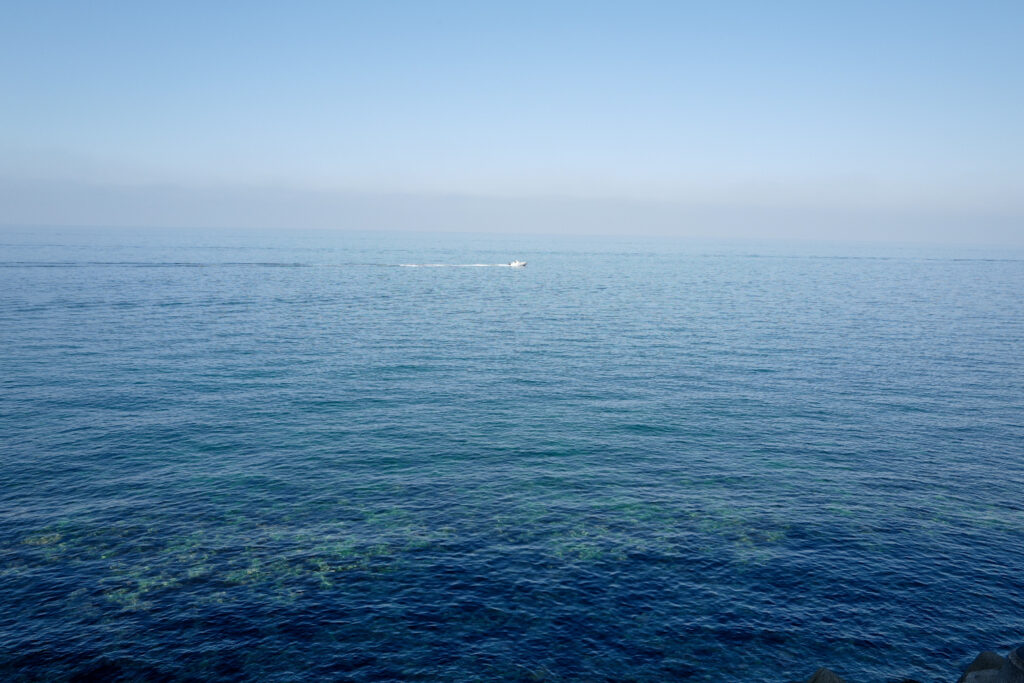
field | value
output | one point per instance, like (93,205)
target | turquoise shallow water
(283,456)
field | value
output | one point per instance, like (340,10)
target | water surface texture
(284,456)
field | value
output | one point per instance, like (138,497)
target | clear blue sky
(894,108)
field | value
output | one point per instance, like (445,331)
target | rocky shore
(988,667)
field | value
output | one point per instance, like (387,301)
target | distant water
(281,456)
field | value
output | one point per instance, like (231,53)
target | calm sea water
(284,456)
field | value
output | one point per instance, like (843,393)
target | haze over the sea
(867,120)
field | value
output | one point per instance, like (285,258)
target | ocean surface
(286,456)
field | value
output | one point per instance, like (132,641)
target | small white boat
(518,264)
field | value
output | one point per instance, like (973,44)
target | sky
(835,120)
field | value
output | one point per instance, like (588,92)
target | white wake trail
(454,265)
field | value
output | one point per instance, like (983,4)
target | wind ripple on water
(617,464)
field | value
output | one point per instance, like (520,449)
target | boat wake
(455,265)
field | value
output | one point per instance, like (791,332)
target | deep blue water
(283,456)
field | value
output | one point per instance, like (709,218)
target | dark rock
(1012,670)
(983,669)
(986,660)
(982,676)
(823,675)
(989,667)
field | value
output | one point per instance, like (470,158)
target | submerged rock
(990,667)
(823,675)
(985,661)
(1012,670)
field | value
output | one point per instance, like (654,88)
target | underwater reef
(987,667)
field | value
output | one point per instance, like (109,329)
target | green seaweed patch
(583,552)
(378,550)
(323,574)
(249,574)
(417,543)
(841,510)
(198,571)
(341,549)
(44,539)
(128,599)
(387,518)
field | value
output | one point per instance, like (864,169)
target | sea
(304,455)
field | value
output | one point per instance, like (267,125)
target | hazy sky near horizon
(814,115)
